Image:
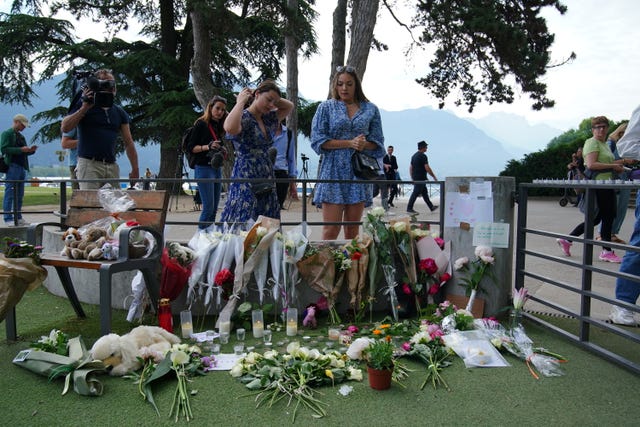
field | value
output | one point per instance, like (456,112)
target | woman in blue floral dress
(342,124)
(250,129)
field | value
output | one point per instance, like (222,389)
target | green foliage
(379,354)
(484,49)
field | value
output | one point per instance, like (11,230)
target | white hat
(22,119)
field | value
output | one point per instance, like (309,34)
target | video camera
(304,157)
(103,90)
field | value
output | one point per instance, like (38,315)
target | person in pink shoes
(600,165)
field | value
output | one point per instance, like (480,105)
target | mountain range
(457,146)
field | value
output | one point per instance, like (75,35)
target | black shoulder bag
(365,166)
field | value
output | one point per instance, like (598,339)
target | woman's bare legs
(331,212)
(352,213)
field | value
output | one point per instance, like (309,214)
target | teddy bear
(93,238)
(120,353)
(71,238)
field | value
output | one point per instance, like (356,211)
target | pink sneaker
(565,246)
(609,256)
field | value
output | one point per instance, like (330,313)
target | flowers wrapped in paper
(358,251)
(78,368)
(19,272)
(203,243)
(294,247)
(319,271)
(255,247)
(433,268)
(221,273)
(176,268)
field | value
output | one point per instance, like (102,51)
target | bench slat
(153,200)
(80,217)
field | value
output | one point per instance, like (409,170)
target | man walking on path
(419,169)
(390,167)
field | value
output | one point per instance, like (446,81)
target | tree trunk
(339,38)
(364,14)
(292,45)
(201,62)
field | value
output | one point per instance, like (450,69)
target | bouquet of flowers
(203,243)
(56,356)
(358,253)
(254,250)
(318,268)
(176,267)
(519,298)
(451,318)
(476,270)
(402,242)
(221,258)
(293,376)
(379,255)
(294,248)
(20,271)
(182,360)
(427,346)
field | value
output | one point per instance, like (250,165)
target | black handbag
(365,166)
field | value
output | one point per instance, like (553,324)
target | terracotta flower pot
(379,379)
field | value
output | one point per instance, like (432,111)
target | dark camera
(217,156)
(304,157)
(103,90)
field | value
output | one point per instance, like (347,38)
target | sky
(602,80)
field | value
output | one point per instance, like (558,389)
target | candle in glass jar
(225,326)
(292,322)
(257,323)
(334,334)
(258,329)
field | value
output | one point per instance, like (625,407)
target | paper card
(224,362)
(493,234)
(481,189)
(465,208)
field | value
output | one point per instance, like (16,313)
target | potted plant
(379,357)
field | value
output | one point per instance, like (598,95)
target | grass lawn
(593,391)
(35,196)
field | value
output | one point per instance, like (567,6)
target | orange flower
(377,332)
(385,326)
(387,338)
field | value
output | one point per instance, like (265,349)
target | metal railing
(588,275)
(175,187)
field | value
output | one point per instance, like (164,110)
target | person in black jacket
(206,144)
(390,166)
(419,169)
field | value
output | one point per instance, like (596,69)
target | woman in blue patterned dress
(250,130)
(342,124)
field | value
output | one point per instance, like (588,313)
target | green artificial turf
(592,392)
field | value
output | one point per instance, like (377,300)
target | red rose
(434,289)
(356,255)
(223,276)
(406,289)
(440,242)
(428,266)
(444,278)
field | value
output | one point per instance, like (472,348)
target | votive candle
(292,322)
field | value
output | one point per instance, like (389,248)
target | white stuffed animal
(121,352)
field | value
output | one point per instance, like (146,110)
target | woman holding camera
(206,145)
(251,130)
(345,123)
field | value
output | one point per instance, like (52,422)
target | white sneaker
(22,222)
(622,316)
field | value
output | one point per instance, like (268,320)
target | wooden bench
(84,207)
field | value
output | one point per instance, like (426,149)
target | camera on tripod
(304,157)
(103,90)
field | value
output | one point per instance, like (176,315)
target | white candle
(292,328)
(258,329)
(187,329)
(225,326)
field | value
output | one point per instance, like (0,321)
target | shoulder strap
(289,136)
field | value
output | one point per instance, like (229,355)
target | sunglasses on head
(348,69)
(217,98)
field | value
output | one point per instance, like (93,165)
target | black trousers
(419,190)
(282,188)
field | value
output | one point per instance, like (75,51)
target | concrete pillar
(496,293)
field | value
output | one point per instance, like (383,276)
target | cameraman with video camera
(99,121)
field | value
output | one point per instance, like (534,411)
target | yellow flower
(328,373)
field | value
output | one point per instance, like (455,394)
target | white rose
(357,347)
(460,262)
(399,227)
(261,231)
(293,347)
(314,354)
(487,259)
(355,374)
(484,251)
(236,371)
(377,211)
(270,354)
